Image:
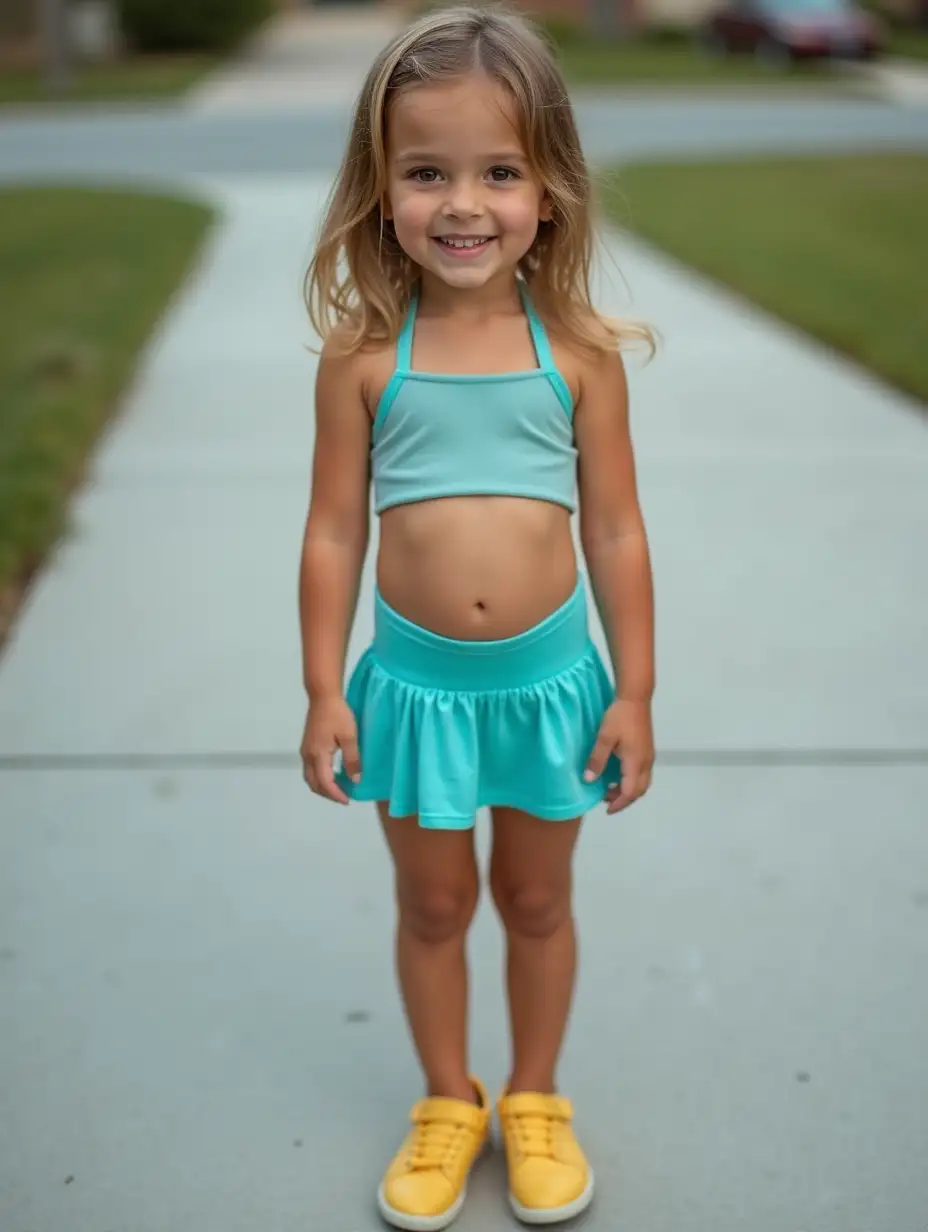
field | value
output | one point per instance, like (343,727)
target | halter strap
(404,341)
(539,334)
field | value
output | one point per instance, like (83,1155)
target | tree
(609,19)
(56,52)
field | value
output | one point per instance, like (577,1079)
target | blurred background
(138,48)
(198,1016)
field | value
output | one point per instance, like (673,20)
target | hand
(626,731)
(329,726)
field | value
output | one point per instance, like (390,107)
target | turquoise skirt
(447,727)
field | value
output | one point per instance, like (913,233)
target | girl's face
(461,193)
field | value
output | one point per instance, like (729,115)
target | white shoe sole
(420,1223)
(531,1215)
(430,1223)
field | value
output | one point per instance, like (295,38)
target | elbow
(345,530)
(332,551)
(600,533)
(594,539)
(347,546)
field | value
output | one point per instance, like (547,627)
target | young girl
(466,372)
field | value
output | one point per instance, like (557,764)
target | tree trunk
(55,49)
(607,19)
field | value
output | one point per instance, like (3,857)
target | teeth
(464,243)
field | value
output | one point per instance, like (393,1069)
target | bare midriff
(476,568)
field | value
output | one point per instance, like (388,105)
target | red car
(778,31)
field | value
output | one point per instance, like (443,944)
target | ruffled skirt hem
(443,754)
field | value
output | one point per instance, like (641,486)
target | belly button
(481,606)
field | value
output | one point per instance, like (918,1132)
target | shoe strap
(532,1104)
(453,1111)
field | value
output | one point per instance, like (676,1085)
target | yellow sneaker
(549,1176)
(425,1186)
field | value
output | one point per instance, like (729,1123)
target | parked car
(778,31)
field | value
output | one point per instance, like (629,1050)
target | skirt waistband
(426,659)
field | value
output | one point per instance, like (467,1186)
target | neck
(499,295)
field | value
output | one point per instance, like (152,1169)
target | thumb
(599,756)
(351,755)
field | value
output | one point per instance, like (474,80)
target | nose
(463,199)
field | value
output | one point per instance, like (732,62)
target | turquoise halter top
(507,434)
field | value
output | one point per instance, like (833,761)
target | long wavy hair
(360,279)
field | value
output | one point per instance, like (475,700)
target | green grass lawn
(85,277)
(673,58)
(138,77)
(909,44)
(642,62)
(837,246)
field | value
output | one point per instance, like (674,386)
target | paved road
(164,143)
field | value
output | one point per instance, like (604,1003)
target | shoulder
(588,357)
(601,363)
(361,371)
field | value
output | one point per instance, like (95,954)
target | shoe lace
(535,1135)
(435,1144)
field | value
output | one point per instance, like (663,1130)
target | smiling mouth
(464,245)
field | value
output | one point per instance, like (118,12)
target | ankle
(454,1088)
(537,1084)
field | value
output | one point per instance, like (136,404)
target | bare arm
(612,528)
(337,528)
(616,549)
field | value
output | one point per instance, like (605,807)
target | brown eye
(502,175)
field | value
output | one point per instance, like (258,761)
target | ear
(545,209)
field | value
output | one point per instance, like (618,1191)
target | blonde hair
(360,279)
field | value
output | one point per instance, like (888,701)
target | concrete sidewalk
(900,81)
(199,1018)
(303,57)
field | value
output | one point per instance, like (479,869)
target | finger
(309,777)
(622,801)
(351,757)
(631,772)
(325,779)
(632,789)
(598,758)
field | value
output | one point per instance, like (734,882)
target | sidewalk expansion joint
(734,759)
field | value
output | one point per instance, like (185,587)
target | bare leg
(437,887)
(531,880)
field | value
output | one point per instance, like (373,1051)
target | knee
(535,911)
(434,914)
